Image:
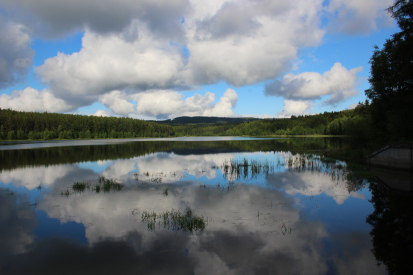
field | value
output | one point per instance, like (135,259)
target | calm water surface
(193,206)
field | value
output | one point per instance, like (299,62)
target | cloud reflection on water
(245,232)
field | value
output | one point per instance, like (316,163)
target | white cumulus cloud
(117,102)
(246,42)
(31,100)
(338,82)
(16,56)
(107,63)
(295,107)
(102,113)
(168,104)
(355,16)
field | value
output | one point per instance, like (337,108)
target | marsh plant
(80,186)
(108,184)
(103,184)
(353,176)
(246,169)
(175,220)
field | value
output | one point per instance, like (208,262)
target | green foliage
(2,133)
(11,135)
(45,126)
(391,80)
(63,126)
(175,220)
(360,131)
(301,125)
(20,134)
(337,126)
(80,186)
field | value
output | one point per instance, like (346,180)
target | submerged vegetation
(108,184)
(246,169)
(80,186)
(103,184)
(352,175)
(175,220)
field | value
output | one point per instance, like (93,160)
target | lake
(195,206)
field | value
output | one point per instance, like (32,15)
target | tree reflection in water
(392,233)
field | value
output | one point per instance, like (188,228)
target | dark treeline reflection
(10,159)
(392,233)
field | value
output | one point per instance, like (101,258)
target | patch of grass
(110,185)
(104,184)
(246,169)
(175,220)
(80,186)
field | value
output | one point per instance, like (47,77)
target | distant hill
(205,120)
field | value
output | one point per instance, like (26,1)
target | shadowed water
(190,207)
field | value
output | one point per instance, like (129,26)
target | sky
(160,59)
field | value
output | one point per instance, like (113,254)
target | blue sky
(166,59)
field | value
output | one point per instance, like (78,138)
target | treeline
(205,120)
(328,123)
(16,125)
(202,129)
(334,123)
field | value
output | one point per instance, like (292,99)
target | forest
(44,126)
(328,123)
(16,125)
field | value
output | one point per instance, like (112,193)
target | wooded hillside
(31,125)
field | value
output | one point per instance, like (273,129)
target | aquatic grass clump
(105,184)
(246,169)
(97,188)
(175,220)
(108,185)
(80,186)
